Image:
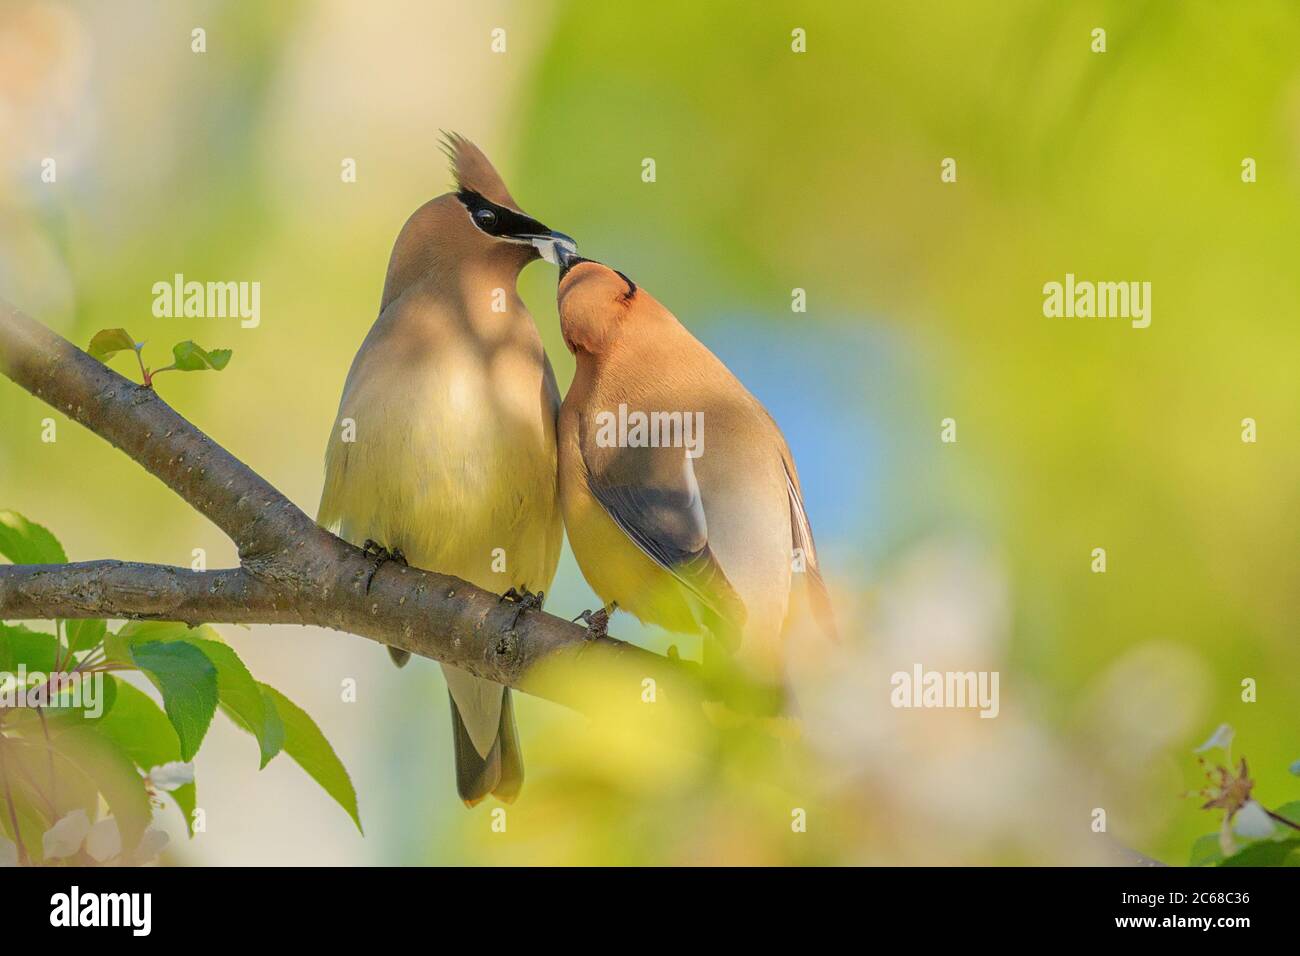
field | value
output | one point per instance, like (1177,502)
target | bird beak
(568,258)
(554,247)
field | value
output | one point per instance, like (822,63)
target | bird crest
(473,171)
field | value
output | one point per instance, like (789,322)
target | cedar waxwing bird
(443,452)
(679,493)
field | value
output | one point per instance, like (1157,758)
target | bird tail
(802,538)
(512,758)
(820,598)
(501,772)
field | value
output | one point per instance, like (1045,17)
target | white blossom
(1252,822)
(104,841)
(171,776)
(1222,738)
(66,836)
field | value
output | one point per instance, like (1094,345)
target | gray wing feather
(654,497)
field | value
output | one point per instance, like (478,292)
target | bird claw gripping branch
(381,556)
(524,600)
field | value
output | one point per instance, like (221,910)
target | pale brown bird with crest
(443,452)
(679,492)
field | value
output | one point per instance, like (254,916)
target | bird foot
(597,622)
(381,556)
(524,600)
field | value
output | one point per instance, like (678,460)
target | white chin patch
(550,248)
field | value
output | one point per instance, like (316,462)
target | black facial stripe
(572,261)
(509,225)
(569,263)
(631,286)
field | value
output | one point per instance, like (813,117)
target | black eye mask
(498,220)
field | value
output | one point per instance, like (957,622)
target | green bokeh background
(774,170)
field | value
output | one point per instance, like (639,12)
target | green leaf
(304,742)
(115,776)
(72,706)
(108,342)
(187,798)
(1206,850)
(21,646)
(117,647)
(238,693)
(25,542)
(154,630)
(274,723)
(190,357)
(1291,811)
(140,728)
(188,683)
(33,817)
(1264,853)
(242,698)
(47,779)
(83,635)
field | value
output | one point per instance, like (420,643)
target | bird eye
(485,218)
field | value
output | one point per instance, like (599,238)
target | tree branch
(291,570)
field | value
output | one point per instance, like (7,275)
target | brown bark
(291,571)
